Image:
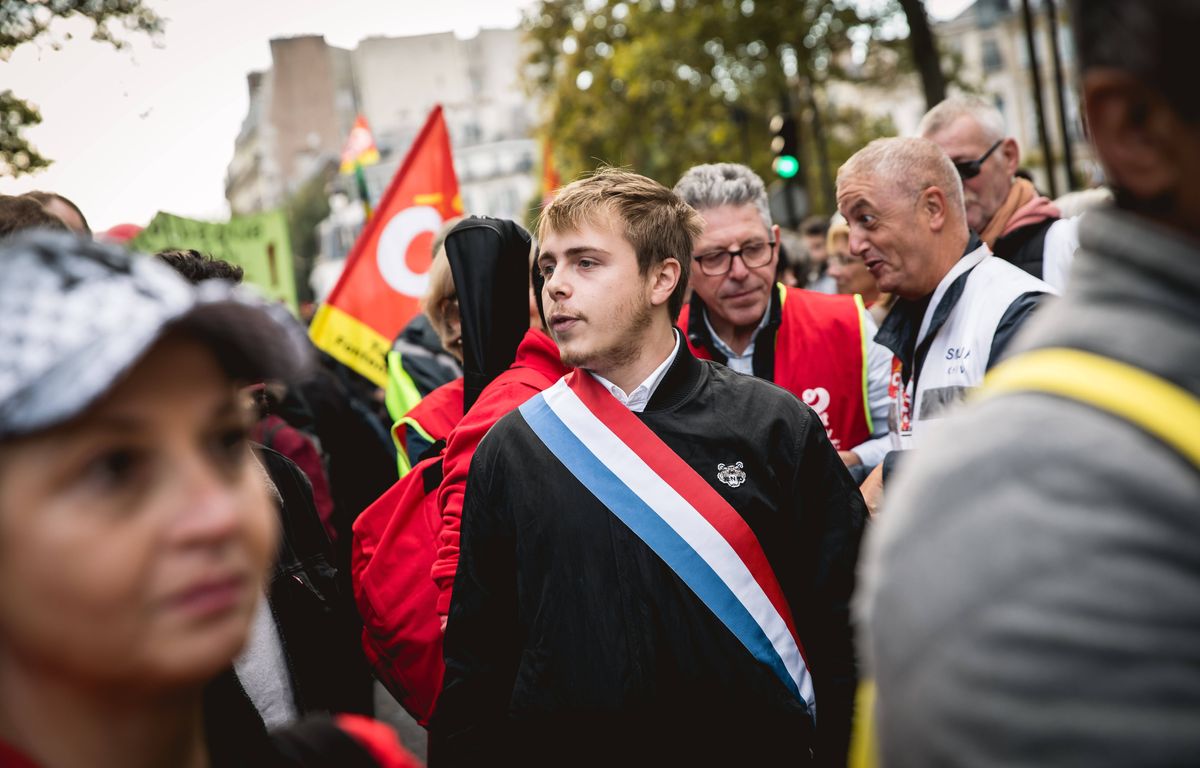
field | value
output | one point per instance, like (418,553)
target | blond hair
(656,221)
(839,230)
(441,288)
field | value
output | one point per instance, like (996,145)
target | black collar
(679,382)
(764,342)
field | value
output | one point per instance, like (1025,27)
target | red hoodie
(537,366)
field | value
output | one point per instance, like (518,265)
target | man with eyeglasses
(1013,220)
(816,346)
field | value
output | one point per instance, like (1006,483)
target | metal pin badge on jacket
(731,474)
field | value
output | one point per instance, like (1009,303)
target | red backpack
(402,633)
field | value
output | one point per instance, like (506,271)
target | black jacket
(1026,247)
(317,620)
(317,625)
(570,642)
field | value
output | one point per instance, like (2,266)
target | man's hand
(872,490)
(849,458)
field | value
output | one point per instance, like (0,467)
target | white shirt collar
(637,400)
(743,363)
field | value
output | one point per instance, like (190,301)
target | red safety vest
(821,358)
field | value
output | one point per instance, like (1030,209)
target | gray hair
(985,115)
(910,165)
(717,184)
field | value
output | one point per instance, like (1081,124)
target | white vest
(958,355)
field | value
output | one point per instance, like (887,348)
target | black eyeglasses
(969,169)
(717,263)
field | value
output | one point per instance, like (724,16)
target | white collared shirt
(637,400)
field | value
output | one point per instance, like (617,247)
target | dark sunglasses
(969,169)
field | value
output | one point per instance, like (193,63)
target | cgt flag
(387,271)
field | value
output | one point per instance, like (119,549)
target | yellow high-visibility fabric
(1161,408)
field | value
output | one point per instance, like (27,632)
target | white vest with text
(958,356)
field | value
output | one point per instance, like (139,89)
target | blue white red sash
(677,513)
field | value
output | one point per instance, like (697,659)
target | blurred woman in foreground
(135,523)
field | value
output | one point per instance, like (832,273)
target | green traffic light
(786,166)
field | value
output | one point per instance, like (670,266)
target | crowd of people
(657,484)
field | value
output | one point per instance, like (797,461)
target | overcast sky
(151,128)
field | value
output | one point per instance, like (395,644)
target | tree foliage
(307,207)
(661,85)
(30,21)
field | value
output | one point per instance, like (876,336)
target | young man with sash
(657,554)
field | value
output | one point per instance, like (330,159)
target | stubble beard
(623,350)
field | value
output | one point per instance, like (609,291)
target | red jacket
(536,367)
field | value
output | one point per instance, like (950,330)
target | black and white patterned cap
(76,315)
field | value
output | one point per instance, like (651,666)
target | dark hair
(46,197)
(197,267)
(22,212)
(1153,40)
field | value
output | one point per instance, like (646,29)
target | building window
(993,60)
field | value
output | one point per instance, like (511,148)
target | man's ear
(934,207)
(1010,155)
(664,276)
(1132,131)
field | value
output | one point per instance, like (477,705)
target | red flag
(387,270)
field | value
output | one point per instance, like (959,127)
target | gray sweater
(1031,593)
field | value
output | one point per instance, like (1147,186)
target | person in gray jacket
(1031,593)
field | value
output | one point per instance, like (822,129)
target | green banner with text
(258,244)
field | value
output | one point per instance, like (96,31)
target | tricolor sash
(677,514)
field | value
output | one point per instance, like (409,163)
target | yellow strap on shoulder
(1161,408)
(402,463)
(866,384)
(864,749)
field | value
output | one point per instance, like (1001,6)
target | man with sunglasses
(816,346)
(1010,217)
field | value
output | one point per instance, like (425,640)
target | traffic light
(785,143)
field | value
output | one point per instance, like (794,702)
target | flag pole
(361,177)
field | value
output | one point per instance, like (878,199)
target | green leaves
(673,83)
(16,155)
